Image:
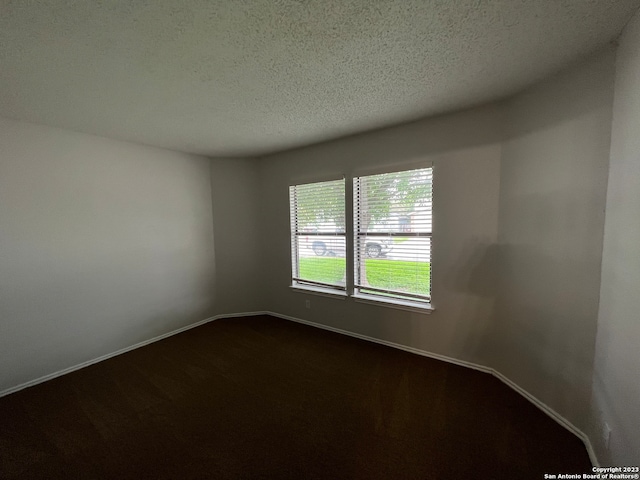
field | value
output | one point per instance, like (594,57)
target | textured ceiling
(234,78)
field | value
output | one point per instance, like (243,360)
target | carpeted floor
(264,398)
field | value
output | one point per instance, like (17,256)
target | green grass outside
(404,276)
(322,269)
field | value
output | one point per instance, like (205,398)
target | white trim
(324,292)
(592,453)
(538,403)
(399,346)
(551,413)
(73,368)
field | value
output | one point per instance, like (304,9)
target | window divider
(348,205)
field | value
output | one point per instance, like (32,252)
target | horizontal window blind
(318,239)
(392,234)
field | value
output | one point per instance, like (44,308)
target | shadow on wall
(475,269)
(519,312)
(473,281)
(545,318)
(466,295)
(555,159)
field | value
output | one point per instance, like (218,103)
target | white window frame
(298,283)
(419,305)
(381,296)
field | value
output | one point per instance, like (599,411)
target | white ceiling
(248,77)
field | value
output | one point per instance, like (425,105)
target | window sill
(324,292)
(416,307)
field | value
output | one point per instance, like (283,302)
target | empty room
(320,239)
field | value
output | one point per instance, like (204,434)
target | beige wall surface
(552,198)
(103,244)
(234,187)
(616,380)
(465,151)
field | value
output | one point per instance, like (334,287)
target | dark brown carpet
(260,397)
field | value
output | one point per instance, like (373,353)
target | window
(392,235)
(390,248)
(318,240)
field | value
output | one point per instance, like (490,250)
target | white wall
(465,150)
(234,184)
(103,244)
(616,379)
(552,196)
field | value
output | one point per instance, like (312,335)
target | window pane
(404,268)
(322,259)
(318,242)
(393,226)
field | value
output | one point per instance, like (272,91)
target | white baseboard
(399,346)
(553,414)
(590,450)
(64,371)
(541,405)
